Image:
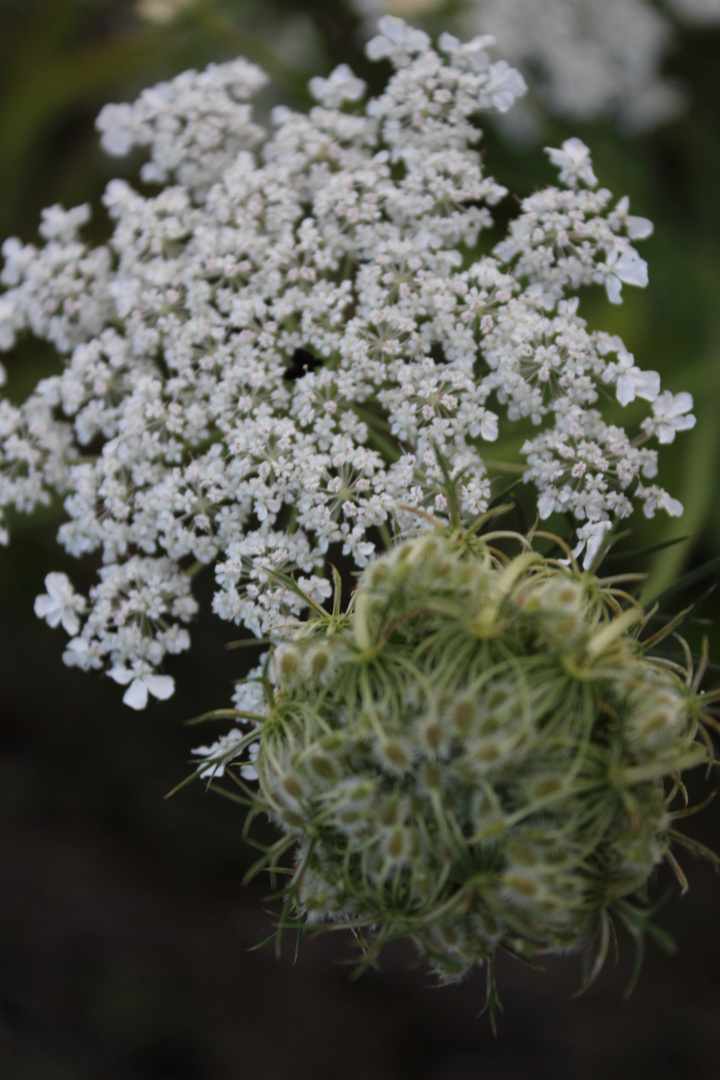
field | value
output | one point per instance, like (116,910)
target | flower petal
(136,695)
(44,605)
(58,586)
(70,622)
(160,686)
(120,674)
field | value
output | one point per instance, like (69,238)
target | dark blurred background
(126,939)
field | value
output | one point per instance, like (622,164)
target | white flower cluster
(584,59)
(276,351)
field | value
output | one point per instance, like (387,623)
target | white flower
(248,770)
(342,85)
(670,414)
(396,41)
(115,126)
(83,654)
(505,85)
(142,679)
(574,163)
(637,228)
(226,749)
(219,755)
(60,224)
(622,266)
(486,425)
(473,53)
(10,323)
(591,539)
(61,604)
(632,382)
(654,498)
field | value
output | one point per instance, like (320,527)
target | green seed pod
(478,755)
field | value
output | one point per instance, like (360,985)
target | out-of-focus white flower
(9,324)
(472,53)
(341,85)
(83,654)
(60,224)
(397,40)
(505,84)
(574,163)
(115,126)
(671,413)
(61,604)
(142,679)
(248,770)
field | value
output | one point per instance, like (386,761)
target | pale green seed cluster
(478,755)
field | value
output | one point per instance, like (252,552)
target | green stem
(638,774)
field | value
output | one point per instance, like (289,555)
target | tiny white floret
(142,679)
(621,267)
(60,604)
(591,539)
(396,40)
(634,382)
(341,85)
(671,413)
(574,163)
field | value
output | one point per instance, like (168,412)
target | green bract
(478,755)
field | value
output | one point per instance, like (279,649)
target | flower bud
(479,756)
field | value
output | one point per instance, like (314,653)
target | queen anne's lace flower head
(276,350)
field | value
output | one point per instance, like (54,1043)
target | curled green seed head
(478,755)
